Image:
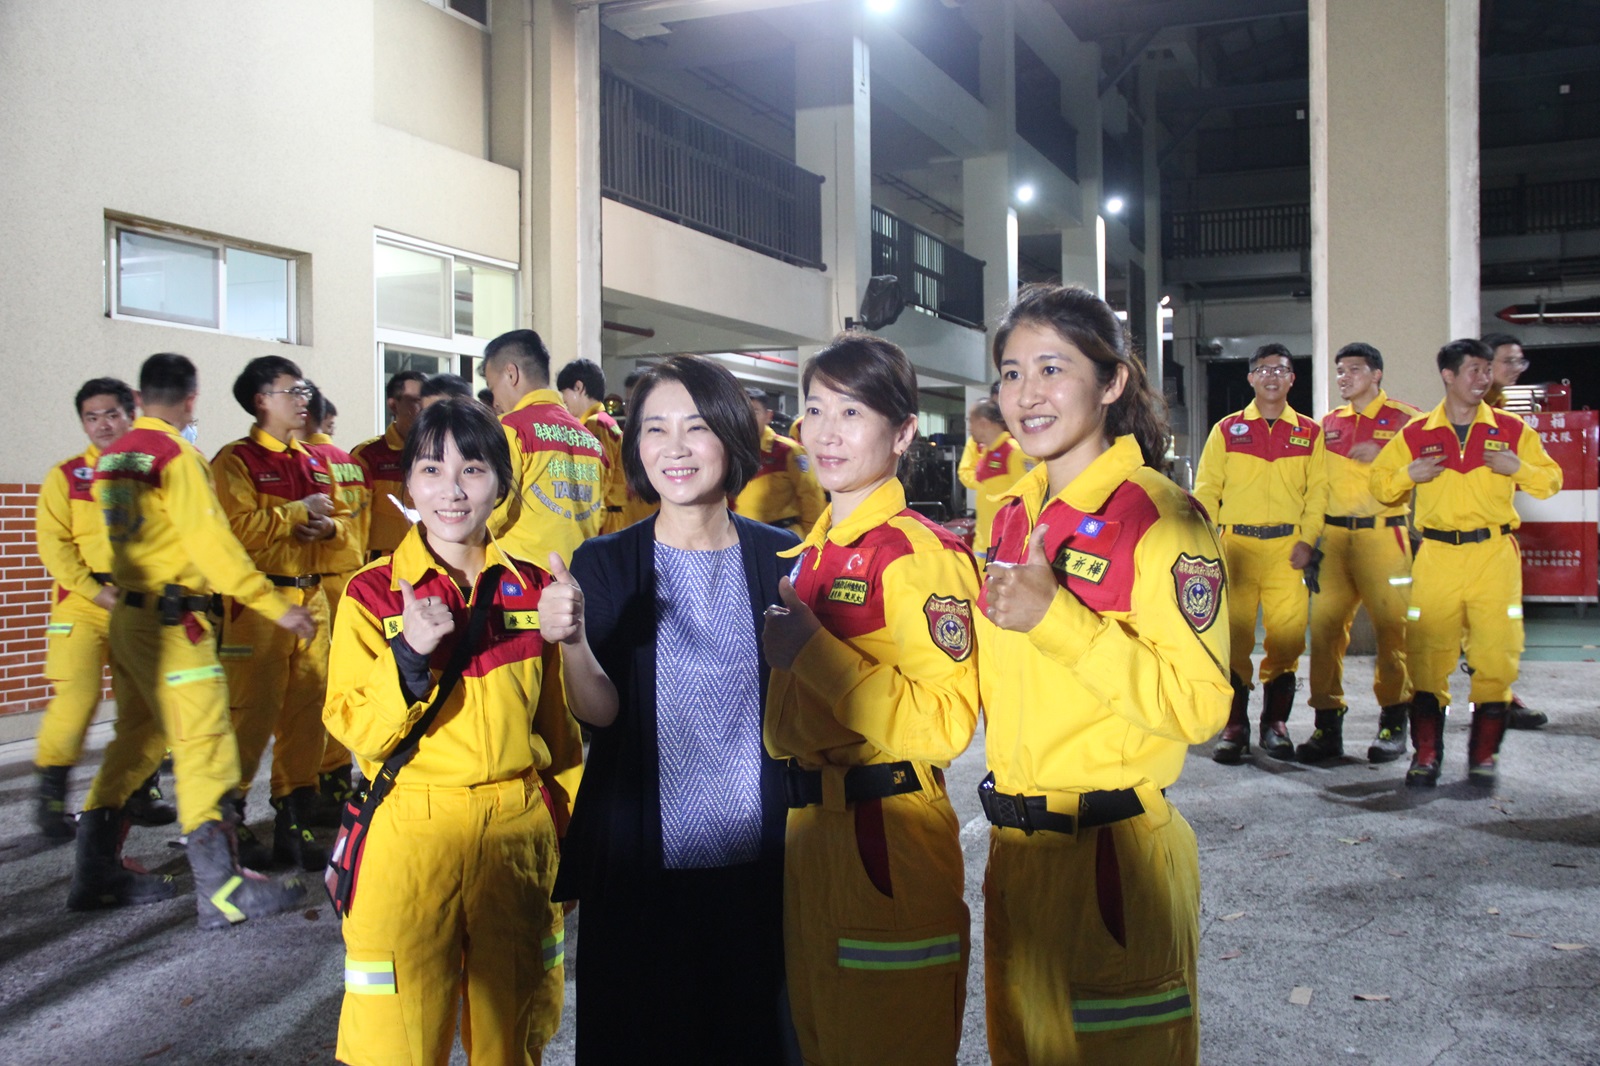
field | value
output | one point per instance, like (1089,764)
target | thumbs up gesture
(425,620)
(1019,594)
(561,605)
(790,624)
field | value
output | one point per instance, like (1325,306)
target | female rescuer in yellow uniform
(1103,654)
(453,900)
(873,691)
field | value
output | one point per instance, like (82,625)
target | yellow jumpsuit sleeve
(807,489)
(256,526)
(1316,502)
(367,709)
(1391,476)
(967,469)
(193,506)
(1539,475)
(349,526)
(508,510)
(924,707)
(555,725)
(1152,668)
(1211,474)
(53,535)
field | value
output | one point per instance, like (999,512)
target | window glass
(413,290)
(476,10)
(485,300)
(258,295)
(396,359)
(166,279)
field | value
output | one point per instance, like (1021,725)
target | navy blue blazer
(613,844)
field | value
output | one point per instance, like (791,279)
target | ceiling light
(1024,194)
(880,7)
(1114,205)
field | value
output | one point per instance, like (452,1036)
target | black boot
(1390,743)
(99,879)
(1521,716)
(1489,721)
(1427,740)
(1279,701)
(253,852)
(146,806)
(1234,743)
(1327,742)
(224,893)
(292,842)
(333,789)
(51,816)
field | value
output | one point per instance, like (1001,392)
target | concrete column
(833,137)
(1153,282)
(989,230)
(1394,184)
(1083,247)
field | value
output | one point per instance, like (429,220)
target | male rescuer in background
(784,492)
(1460,464)
(280,500)
(1508,364)
(990,464)
(1262,481)
(71,537)
(171,546)
(380,458)
(582,385)
(558,500)
(1366,559)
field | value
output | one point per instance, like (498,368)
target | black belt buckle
(1002,809)
(795,782)
(171,604)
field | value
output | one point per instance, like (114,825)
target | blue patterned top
(708,709)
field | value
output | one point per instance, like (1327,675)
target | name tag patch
(1383,434)
(392,626)
(522,619)
(1494,445)
(848,590)
(1300,442)
(1074,563)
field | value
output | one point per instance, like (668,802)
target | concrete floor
(1338,879)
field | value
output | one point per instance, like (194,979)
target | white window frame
(116,226)
(444,5)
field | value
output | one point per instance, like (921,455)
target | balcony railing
(1549,207)
(933,275)
(662,159)
(1236,231)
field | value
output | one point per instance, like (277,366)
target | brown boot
(1234,743)
(1483,749)
(1279,701)
(1427,740)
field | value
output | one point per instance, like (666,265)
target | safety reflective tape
(58,629)
(1413,613)
(219,900)
(555,949)
(1099,1015)
(1399,581)
(1514,612)
(898,954)
(235,651)
(189,677)
(368,978)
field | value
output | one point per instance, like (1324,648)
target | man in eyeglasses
(281,501)
(1263,481)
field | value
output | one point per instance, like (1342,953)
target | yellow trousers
(1090,943)
(452,912)
(170,693)
(276,686)
(875,931)
(335,756)
(77,642)
(1462,591)
(1361,566)
(1259,576)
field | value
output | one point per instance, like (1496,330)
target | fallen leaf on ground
(186,1001)
(1397,875)
(1524,936)
(1301,996)
(1234,917)
(1226,955)
(1396,932)
(1569,947)
(313,914)
(1492,910)
(1372,997)
(1238,827)
(162,1050)
(1363,839)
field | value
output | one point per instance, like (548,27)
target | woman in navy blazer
(675,849)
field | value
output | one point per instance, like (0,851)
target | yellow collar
(1088,491)
(273,444)
(393,439)
(319,438)
(160,425)
(413,560)
(884,502)
(594,409)
(91,454)
(1289,415)
(539,396)
(1437,417)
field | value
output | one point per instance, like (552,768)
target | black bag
(344,861)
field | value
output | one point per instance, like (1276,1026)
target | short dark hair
(721,403)
(397,383)
(1359,350)
(526,347)
(586,372)
(318,407)
(257,375)
(760,396)
(988,409)
(447,385)
(113,387)
(167,378)
(1267,351)
(1452,355)
(869,369)
(1500,340)
(477,433)
(486,397)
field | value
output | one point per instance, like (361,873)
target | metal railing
(1548,207)
(660,158)
(933,275)
(1236,231)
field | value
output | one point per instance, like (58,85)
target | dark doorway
(1577,363)
(1228,388)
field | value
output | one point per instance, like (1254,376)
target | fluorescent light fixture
(880,7)
(1114,205)
(1024,194)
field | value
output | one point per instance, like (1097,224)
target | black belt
(174,603)
(878,781)
(1030,813)
(1262,532)
(613,510)
(100,576)
(304,581)
(1347,522)
(1463,536)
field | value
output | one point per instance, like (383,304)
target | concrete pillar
(1394,184)
(989,231)
(1083,247)
(1153,282)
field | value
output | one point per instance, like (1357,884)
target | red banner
(1560,537)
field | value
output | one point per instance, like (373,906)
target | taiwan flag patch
(510,588)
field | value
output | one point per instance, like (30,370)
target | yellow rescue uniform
(784,491)
(559,498)
(614,487)
(1366,558)
(1091,928)
(1266,489)
(875,928)
(338,559)
(276,680)
(379,457)
(167,529)
(452,910)
(989,472)
(71,537)
(1467,578)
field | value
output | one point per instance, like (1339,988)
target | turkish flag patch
(1198,582)
(950,625)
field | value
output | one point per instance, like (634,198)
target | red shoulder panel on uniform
(80,476)
(140,455)
(550,427)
